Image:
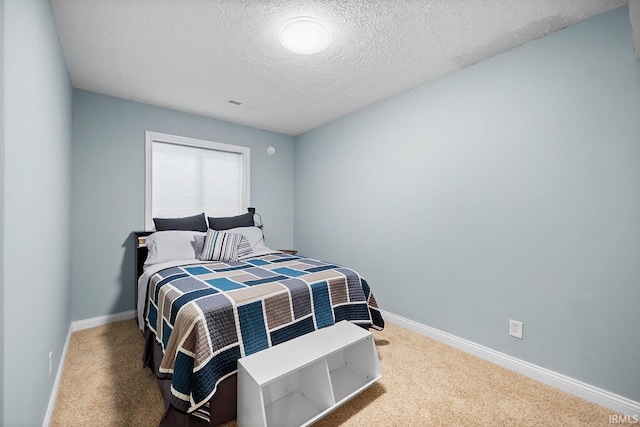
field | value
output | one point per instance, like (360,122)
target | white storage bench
(299,381)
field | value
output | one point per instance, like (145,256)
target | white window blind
(186,177)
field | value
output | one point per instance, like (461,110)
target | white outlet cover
(515,328)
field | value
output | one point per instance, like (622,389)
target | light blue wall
(510,189)
(37,200)
(2,210)
(108,190)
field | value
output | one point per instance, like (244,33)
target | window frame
(151,137)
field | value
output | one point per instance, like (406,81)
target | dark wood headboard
(141,251)
(140,255)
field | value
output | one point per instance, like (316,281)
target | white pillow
(172,245)
(253,235)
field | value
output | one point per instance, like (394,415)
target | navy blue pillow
(188,223)
(226,223)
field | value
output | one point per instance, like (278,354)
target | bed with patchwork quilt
(202,316)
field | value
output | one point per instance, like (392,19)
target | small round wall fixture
(271,150)
(305,35)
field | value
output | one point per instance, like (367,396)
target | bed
(199,316)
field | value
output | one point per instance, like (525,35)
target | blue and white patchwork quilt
(207,316)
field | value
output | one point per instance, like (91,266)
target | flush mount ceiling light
(305,35)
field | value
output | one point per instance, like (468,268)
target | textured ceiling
(196,55)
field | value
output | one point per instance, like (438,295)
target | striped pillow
(220,246)
(244,248)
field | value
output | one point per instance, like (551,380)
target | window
(186,176)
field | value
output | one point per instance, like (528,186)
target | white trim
(79,325)
(56,384)
(577,388)
(151,137)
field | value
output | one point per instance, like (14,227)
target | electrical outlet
(50,353)
(515,328)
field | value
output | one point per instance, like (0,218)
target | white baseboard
(56,383)
(77,326)
(577,388)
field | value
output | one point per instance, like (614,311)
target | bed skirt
(223,405)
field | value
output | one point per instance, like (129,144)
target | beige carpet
(424,383)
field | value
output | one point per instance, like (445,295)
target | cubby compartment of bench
(299,381)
